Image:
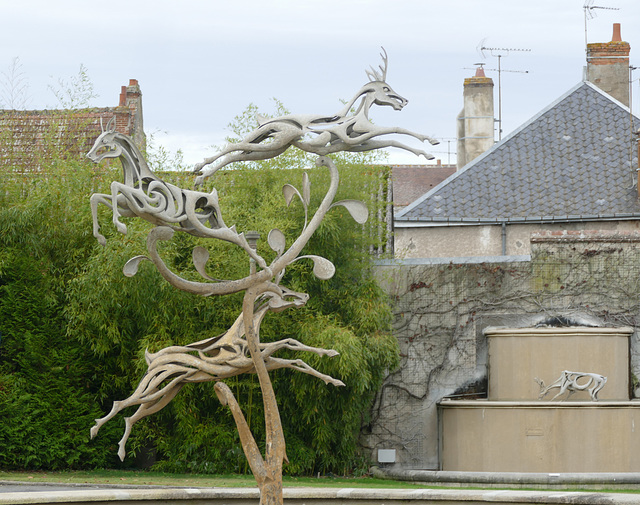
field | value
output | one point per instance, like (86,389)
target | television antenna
(495,69)
(588,8)
(499,52)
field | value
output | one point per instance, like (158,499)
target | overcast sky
(201,62)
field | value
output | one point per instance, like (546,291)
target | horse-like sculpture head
(105,146)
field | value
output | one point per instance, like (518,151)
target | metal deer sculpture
(145,195)
(343,131)
(238,350)
(213,359)
(570,382)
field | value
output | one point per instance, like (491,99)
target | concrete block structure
(513,431)
(541,230)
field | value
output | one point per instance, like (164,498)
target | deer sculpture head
(105,145)
(381,93)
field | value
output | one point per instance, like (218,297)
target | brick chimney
(131,98)
(608,66)
(476,121)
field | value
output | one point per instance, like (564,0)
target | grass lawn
(145,478)
(127,477)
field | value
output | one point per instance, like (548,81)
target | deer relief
(213,359)
(145,195)
(322,135)
(570,381)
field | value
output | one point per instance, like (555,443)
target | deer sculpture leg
(378,144)
(147,392)
(294,345)
(299,365)
(116,189)
(599,385)
(95,199)
(107,200)
(145,410)
(563,389)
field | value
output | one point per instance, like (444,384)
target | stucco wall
(526,437)
(485,240)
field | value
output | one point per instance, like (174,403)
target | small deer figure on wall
(570,381)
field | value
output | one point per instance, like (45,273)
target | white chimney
(476,121)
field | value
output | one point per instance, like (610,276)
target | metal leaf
(322,268)
(200,257)
(358,210)
(289,192)
(277,241)
(131,267)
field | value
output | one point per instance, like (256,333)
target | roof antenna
(499,52)
(588,14)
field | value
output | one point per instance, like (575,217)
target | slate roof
(569,162)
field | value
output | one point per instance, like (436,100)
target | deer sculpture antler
(373,73)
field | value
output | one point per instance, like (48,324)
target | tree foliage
(74,330)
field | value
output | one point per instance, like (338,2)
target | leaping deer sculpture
(145,195)
(570,381)
(213,359)
(343,131)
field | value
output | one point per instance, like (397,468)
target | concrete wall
(518,356)
(525,437)
(441,309)
(485,240)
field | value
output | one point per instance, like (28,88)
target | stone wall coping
(570,331)
(550,480)
(538,404)
(314,495)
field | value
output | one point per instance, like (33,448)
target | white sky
(201,62)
